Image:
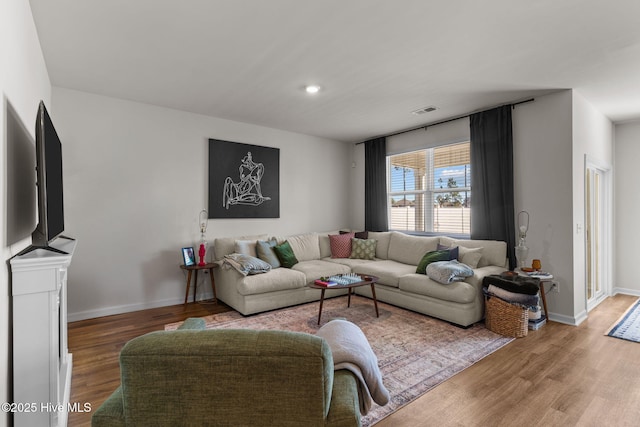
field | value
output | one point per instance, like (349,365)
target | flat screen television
(49,184)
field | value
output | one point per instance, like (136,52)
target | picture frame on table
(188,256)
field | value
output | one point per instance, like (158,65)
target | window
(430,190)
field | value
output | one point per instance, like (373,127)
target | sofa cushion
(364,235)
(494,252)
(325,245)
(285,254)
(410,249)
(305,246)
(246,247)
(318,268)
(350,262)
(430,257)
(265,252)
(447,242)
(227,245)
(341,245)
(363,248)
(277,279)
(382,247)
(459,292)
(388,272)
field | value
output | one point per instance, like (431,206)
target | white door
(597,236)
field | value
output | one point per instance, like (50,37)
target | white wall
(23,83)
(592,138)
(542,139)
(627,207)
(136,180)
(552,135)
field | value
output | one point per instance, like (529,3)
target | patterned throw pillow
(363,249)
(341,245)
(432,256)
(285,254)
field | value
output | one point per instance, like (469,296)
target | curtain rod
(443,121)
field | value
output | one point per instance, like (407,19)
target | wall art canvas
(244,180)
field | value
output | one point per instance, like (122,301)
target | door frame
(606,227)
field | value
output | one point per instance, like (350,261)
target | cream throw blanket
(351,351)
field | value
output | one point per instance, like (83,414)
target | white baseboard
(109,311)
(568,320)
(633,292)
(582,316)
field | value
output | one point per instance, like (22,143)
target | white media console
(41,359)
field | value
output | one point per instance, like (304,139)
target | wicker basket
(506,319)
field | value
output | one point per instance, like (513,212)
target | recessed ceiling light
(312,89)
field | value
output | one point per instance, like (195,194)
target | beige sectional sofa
(395,262)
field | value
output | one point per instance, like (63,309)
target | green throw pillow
(363,249)
(430,257)
(285,254)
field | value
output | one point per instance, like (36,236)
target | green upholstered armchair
(197,377)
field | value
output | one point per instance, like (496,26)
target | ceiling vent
(424,110)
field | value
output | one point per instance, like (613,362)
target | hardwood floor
(558,376)
(96,344)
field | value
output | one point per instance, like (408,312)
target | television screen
(49,180)
(53,161)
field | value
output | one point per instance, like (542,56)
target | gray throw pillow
(266,253)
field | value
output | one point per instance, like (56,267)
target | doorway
(597,233)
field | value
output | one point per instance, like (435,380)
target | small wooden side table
(191,268)
(543,278)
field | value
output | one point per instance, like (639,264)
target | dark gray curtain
(492,210)
(375,185)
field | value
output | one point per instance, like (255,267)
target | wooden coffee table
(366,280)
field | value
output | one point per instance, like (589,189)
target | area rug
(627,327)
(415,352)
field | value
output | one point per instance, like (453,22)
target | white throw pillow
(469,256)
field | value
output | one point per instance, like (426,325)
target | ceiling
(376,60)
